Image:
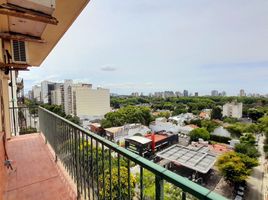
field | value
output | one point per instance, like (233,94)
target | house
(220,131)
(118,134)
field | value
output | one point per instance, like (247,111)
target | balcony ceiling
(46,20)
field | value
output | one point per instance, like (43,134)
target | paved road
(255,182)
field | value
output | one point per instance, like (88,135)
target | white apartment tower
(57,95)
(67,88)
(36,93)
(233,109)
(242,93)
(90,102)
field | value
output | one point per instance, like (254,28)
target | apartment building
(36,93)
(233,109)
(87,101)
(46,88)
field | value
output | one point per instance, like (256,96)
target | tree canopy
(129,114)
(199,133)
(235,167)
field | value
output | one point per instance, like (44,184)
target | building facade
(233,109)
(87,101)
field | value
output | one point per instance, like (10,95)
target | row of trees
(128,114)
(253,107)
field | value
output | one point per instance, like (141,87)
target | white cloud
(108,69)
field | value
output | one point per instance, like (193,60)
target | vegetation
(230,120)
(28,130)
(210,125)
(129,114)
(193,104)
(59,111)
(171,192)
(221,139)
(216,113)
(115,186)
(199,133)
(235,167)
(264,128)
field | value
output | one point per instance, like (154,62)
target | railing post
(183,197)
(76,164)
(159,188)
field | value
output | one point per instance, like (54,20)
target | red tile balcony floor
(35,175)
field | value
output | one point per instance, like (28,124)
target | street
(255,183)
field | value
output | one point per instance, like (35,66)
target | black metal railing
(103,170)
(24,120)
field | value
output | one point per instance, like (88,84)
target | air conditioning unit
(19,51)
(44,6)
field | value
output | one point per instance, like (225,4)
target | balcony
(65,161)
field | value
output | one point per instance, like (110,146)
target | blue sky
(147,46)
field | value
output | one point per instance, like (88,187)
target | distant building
(89,102)
(178,94)
(242,93)
(67,88)
(223,94)
(214,93)
(118,134)
(46,88)
(135,94)
(233,109)
(185,93)
(196,94)
(36,93)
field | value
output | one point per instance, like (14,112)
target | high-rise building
(67,89)
(214,93)
(185,93)
(196,94)
(178,94)
(223,93)
(36,93)
(46,88)
(135,94)
(90,102)
(57,95)
(242,93)
(169,94)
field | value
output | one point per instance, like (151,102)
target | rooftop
(196,159)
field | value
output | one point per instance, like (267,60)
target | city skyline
(201,47)
(164,93)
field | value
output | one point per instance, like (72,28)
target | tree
(129,114)
(236,129)
(199,133)
(255,114)
(209,125)
(115,186)
(230,120)
(216,113)
(171,192)
(235,167)
(248,138)
(247,149)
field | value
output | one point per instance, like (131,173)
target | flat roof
(194,158)
(139,139)
(157,137)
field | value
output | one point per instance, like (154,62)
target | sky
(147,46)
